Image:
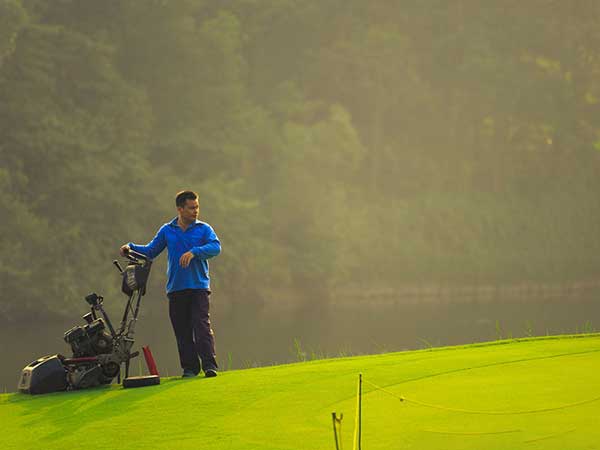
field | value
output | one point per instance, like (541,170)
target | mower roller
(99,350)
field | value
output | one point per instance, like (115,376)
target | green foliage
(332,143)
(72,143)
(12,18)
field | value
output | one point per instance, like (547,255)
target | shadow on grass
(63,411)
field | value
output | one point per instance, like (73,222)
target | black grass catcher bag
(135,277)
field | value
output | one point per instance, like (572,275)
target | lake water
(249,335)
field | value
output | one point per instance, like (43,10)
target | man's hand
(185,259)
(124,250)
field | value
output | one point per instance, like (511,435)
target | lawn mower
(99,350)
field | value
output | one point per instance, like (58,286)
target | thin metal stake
(334,418)
(358,418)
(359,409)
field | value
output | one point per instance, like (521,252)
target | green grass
(290,406)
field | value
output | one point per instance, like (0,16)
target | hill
(517,394)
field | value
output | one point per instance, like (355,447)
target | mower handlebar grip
(133,255)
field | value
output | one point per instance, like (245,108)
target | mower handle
(132,255)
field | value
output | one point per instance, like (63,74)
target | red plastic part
(150,361)
(80,360)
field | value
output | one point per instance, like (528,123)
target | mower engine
(89,340)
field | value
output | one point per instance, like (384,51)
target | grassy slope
(289,407)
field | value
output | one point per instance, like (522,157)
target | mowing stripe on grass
(500,363)
(471,433)
(550,436)
(491,413)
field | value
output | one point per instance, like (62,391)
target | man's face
(189,211)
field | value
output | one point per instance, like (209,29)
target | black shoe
(210,373)
(188,374)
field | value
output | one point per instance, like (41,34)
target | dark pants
(188,310)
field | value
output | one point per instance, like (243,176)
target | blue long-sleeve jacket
(199,238)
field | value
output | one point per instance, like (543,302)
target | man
(190,243)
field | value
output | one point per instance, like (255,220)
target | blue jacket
(199,237)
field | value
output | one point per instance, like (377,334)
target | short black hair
(184,196)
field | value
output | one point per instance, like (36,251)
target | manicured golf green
(515,394)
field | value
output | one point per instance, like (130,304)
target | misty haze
(382,175)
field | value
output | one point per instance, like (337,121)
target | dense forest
(333,143)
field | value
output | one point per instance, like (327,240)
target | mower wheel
(133,382)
